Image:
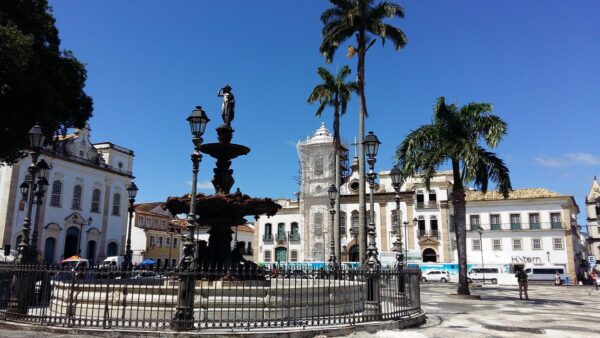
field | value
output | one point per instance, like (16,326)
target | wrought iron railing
(427,205)
(229,299)
(294,236)
(268,237)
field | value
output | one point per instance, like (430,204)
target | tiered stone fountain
(223,210)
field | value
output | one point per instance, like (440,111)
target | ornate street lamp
(22,286)
(132,191)
(332,194)
(371,144)
(480,232)
(184,316)
(42,186)
(396,176)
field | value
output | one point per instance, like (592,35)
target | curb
(293,332)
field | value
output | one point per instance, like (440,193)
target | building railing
(236,300)
(267,237)
(281,236)
(294,236)
(430,233)
(427,205)
(539,226)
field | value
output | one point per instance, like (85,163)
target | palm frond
(487,167)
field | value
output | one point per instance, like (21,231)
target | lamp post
(480,231)
(22,284)
(332,194)
(28,253)
(184,316)
(371,143)
(396,176)
(132,190)
(42,186)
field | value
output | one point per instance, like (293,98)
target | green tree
(362,19)
(454,136)
(39,82)
(334,92)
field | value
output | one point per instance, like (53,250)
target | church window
(96,200)
(56,193)
(318,166)
(116,210)
(76,205)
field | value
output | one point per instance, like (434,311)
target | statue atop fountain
(223,210)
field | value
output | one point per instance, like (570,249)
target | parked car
(435,276)
(114,262)
(483,275)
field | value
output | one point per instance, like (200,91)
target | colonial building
(592,201)
(85,208)
(155,235)
(531,222)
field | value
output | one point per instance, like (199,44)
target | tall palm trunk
(362,220)
(460,220)
(338,183)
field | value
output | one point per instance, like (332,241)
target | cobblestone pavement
(553,311)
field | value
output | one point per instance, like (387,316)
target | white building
(85,208)
(426,220)
(593,219)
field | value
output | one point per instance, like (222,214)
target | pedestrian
(557,280)
(594,279)
(521,276)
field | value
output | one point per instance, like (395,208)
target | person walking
(594,278)
(521,276)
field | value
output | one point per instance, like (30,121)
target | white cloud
(202,185)
(567,160)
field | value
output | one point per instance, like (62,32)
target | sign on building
(592,260)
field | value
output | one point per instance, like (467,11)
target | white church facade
(84,211)
(531,227)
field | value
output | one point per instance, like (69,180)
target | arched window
(76,205)
(433,225)
(294,234)
(420,199)
(318,223)
(294,255)
(96,200)
(421,226)
(267,255)
(318,166)
(56,193)
(432,197)
(112,249)
(116,209)
(342,223)
(354,222)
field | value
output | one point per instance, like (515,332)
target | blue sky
(150,62)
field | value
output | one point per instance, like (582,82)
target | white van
(545,273)
(114,262)
(478,274)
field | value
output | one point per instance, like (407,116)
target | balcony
(267,237)
(281,237)
(431,234)
(434,234)
(427,205)
(539,226)
(294,236)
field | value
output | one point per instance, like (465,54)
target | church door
(281,255)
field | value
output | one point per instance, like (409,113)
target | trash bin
(567,280)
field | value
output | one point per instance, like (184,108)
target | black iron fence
(223,298)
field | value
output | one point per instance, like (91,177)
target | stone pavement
(554,311)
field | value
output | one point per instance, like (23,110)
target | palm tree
(334,92)
(362,19)
(454,137)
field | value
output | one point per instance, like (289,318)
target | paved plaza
(572,311)
(553,311)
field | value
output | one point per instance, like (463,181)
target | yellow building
(155,235)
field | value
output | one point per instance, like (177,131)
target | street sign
(592,260)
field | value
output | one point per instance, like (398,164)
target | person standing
(557,280)
(594,279)
(521,276)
